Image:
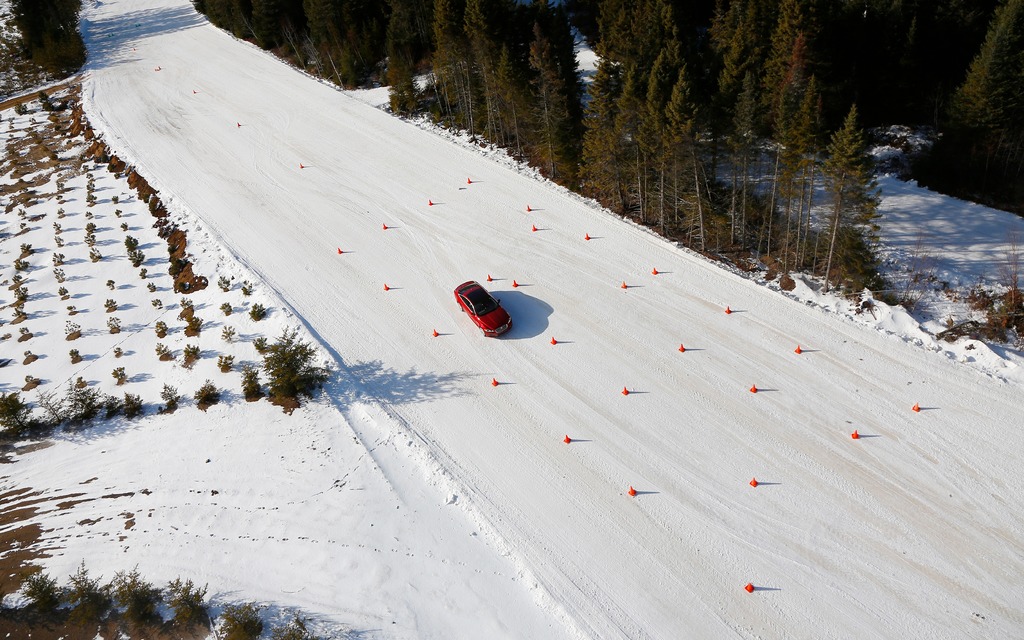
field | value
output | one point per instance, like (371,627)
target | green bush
(257,312)
(186,601)
(170,396)
(138,597)
(89,600)
(294,630)
(42,592)
(15,415)
(241,622)
(291,367)
(132,405)
(251,389)
(207,395)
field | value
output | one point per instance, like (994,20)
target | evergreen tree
(851,184)
(49,33)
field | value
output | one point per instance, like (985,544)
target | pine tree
(851,184)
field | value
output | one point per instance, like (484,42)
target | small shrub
(143,272)
(138,597)
(72,331)
(21,294)
(80,383)
(156,303)
(119,375)
(90,227)
(260,344)
(124,226)
(189,355)
(131,243)
(186,601)
(59,275)
(114,324)
(118,352)
(161,329)
(208,394)
(81,404)
(89,600)
(30,357)
(115,199)
(194,326)
(63,293)
(58,259)
(227,334)
(163,352)
(136,257)
(19,314)
(59,241)
(118,212)
(226,308)
(225,363)
(132,405)
(257,312)
(246,288)
(25,334)
(110,304)
(17,279)
(42,592)
(171,397)
(15,415)
(95,255)
(72,309)
(57,229)
(241,622)
(26,250)
(111,285)
(251,389)
(294,630)
(20,265)
(112,405)
(291,367)
(60,211)
(31,382)
(224,283)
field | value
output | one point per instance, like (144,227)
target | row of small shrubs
(88,600)
(289,363)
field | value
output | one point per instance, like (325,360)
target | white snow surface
(915,530)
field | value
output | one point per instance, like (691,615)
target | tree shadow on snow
(110,41)
(379,382)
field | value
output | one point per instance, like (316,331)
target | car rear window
(481,301)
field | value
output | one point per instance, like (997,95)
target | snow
(914,530)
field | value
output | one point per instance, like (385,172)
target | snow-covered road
(916,531)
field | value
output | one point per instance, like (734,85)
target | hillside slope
(915,532)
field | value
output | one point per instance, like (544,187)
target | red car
(485,311)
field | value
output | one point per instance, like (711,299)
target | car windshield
(481,301)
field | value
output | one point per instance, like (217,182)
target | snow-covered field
(418,500)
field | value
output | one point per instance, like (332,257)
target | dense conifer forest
(720,123)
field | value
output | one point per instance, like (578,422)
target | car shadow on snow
(529,315)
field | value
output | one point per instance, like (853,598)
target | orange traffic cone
(682,349)
(238,124)
(798,350)
(567,439)
(727,309)
(430,203)
(469,181)
(916,408)
(494,382)
(514,284)
(586,236)
(553,341)
(528,209)
(489,278)
(623,285)
(533,228)
(302,166)
(654,272)
(625,391)
(749,588)
(340,251)
(753,482)
(384,227)
(436,333)
(386,287)
(753,388)
(855,435)
(631,491)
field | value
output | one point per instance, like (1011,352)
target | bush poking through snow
(194,326)
(138,597)
(136,257)
(112,405)
(132,405)
(291,367)
(82,404)
(226,308)
(251,389)
(161,329)
(75,356)
(171,397)
(190,355)
(257,312)
(42,592)
(260,344)
(227,334)
(241,622)
(294,630)
(163,352)
(207,395)
(89,600)
(246,288)
(224,283)
(225,363)
(186,601)
(114,324)
(15,415)
(119,375)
